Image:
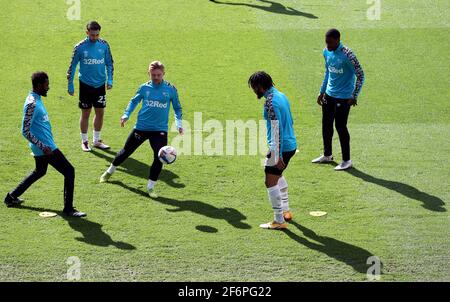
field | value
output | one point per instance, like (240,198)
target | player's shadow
(275,7)
(206,229)
(429,202)
(352,255)
(136,168)
(91,231)
(230,215)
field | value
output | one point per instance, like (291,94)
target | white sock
(284,193)
(96,136)
(151,184)
(111,169)
(84,137)
(275,200)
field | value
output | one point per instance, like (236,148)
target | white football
(167,154)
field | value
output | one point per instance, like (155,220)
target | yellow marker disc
(317,213)
(47,214)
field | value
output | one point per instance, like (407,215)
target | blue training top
(154,113)
(341,68)
(95,59)
(280,125)
(36,127)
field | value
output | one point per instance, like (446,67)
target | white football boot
(101,145)
(273,225)
(85,146)
(322,159)
(344,165)
(105,177)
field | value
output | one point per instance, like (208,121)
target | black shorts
(286,158)
(91,96)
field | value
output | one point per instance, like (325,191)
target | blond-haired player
(152,122)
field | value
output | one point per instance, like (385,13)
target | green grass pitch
(393,205)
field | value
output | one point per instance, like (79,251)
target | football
(167,154)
